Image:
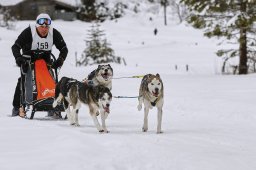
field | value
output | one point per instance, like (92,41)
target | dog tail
(57,100)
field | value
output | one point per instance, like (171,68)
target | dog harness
(69,83)
(154,102)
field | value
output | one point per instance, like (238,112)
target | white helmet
(43,19)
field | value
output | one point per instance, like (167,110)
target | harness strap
(139,76)
(125,97)
(154,102)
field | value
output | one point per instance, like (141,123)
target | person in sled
(39,36)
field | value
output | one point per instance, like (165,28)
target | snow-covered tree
(179,9)
(176,9)
(100,10)
(117,11)
(6,20)
(234,20)
(97,50)
(87,11)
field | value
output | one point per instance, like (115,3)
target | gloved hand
(20,61)
(58,63)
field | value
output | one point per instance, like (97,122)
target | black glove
(39,53)
(58,63)
(20,61)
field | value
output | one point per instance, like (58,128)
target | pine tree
(6,20)
(99,10)
(87,11)
(98,50)
(231,19)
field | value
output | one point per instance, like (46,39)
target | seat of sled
(46,105)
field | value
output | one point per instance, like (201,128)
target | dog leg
(76,117)
(57,101)
(145,125)
(69,115)
(96,123)
(159,119)
(103,120)
(93,112)
(73,117)
(140,103)
(75,110)
(106,115)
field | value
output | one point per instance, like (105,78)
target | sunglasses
(44,21)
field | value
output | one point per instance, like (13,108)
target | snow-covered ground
(208,122)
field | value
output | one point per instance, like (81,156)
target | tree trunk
(243,46)
(243,52)
(165,17)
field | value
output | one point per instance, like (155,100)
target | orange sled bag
(44,81)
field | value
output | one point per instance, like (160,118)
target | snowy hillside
(208,119)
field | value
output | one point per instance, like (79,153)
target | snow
(208,120)
(71,2)
(9,2)
(14,2)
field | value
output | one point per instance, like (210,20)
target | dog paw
(159,132)
(144,129)
(139,107)
(106,131)
(101,131)
(76,124)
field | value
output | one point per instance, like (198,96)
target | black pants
(17,95)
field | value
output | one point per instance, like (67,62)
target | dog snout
(108,105)
(106,70)
(156,90)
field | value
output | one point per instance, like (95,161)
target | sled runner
(38,82)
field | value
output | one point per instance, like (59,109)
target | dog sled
(37,85)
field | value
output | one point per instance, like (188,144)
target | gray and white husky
(101,76)
(151,94)
(73,93)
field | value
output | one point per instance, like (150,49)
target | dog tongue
(105,76)
(106,109)
(155,94)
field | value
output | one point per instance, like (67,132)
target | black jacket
(24,43)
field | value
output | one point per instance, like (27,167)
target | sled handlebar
(26,56)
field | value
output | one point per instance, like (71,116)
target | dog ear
(101,88)
(157,75)
(147,78)
(111,68)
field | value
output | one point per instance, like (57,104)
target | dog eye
(152,84)
(158,83)
(103,99)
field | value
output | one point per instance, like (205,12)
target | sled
(38,82)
